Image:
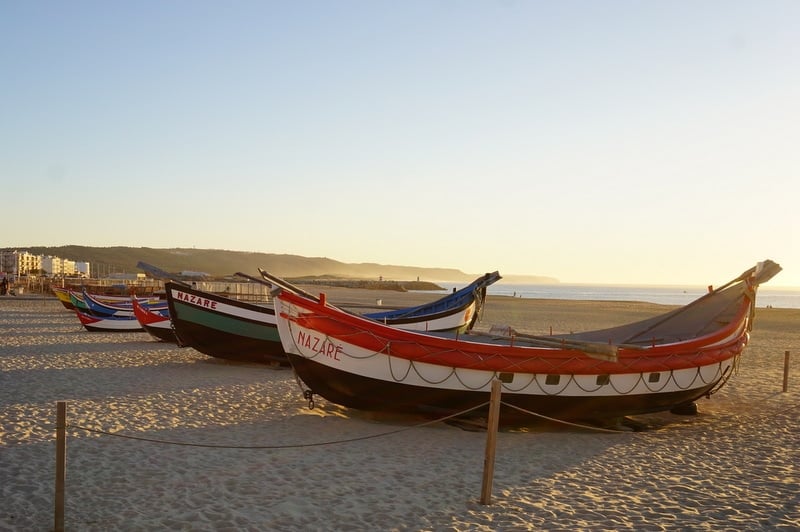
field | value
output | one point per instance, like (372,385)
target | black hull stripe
(220,344)
(365,393)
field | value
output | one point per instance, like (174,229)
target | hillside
(221,263)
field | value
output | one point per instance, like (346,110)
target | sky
(619,142)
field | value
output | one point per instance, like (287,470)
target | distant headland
(223,263)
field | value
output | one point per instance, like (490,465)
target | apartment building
(16,263)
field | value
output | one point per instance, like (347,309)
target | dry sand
(735,466)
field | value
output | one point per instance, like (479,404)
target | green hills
(222,263)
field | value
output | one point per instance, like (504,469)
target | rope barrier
(491,429)
(301,445)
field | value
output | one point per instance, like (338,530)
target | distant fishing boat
(662,363)
(98,307)
(67,298)
(108,323)
(156,323)
(63,296)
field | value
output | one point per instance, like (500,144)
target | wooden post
(61,463)
(786,371)
(491,443)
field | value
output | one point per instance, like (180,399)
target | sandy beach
(280,466)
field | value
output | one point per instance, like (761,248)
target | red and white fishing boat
(156,323)
(108,323)
(657,364)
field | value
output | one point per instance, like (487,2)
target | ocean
(665,295)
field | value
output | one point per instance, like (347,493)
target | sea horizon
(775,297)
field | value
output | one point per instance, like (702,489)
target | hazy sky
(591,141)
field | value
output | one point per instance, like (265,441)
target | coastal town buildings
(15,263)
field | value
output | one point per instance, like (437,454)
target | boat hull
(368,379)
(99,324)
(121,309)
(375,394)
(63,297)
(224,328)
(656,364)
(161,331)
(155,323)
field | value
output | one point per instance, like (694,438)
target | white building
(16,263)
(52,265)
(83,269)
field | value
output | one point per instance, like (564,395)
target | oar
(273,282)
(598,350)
(286,285)
(569,341)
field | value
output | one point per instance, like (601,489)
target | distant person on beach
(4,286)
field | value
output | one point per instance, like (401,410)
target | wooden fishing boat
(156,323)
(67,298)
(222,327)
(97,307)
(78,303)
(63,296)
(658,364)
(108,323)
(456,312)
